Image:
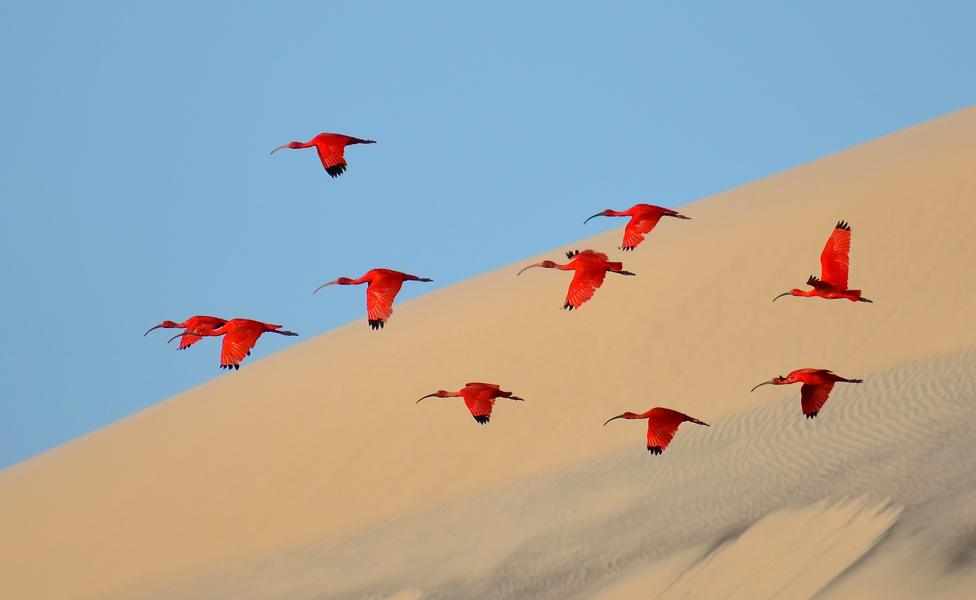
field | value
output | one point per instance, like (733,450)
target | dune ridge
(571,533)
(312,473)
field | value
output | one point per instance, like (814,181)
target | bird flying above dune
(240,335)
(662,424)
(590,270)
(382,287)
(817,384)
(643,218)
(834,265)
(478,397)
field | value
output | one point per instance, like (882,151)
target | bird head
(339,281)
(292,145)
(546,264)
(164,325)
(778,380)
(438,394)
(626,415)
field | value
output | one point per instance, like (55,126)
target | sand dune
(313,474)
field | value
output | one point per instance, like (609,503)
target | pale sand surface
(312,474)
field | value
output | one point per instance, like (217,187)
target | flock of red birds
(589,268)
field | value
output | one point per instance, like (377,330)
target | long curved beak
(760,385)
(617,417)
(180,334)
(427,396)
(279,148)
(516,398)
(599,214)
(326,284)
(150,329)
(528,267)
(781,295)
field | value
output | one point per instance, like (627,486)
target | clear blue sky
(137,186)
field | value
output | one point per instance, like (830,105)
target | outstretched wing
(237,345)
(835,258)
(188,340)
(586,280)
(637,228)
(479,402)
(661,427)
(331,154)
(590,271)
(380,294)
(199,323)
(813,397)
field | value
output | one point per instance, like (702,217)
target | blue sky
(137,186)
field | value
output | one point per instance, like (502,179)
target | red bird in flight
(834,264)
(478,397)
(662,424)
(383,286)
(817,384)
(197,323)
(590,267)
(240,335)
(330,147)
(643,218)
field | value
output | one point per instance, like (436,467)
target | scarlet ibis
(643,218)
(590,267)
(478,397)
(240,335)
(382,287)
(662,424)
(330,147)
(834,264)
(817,384)
(197,323)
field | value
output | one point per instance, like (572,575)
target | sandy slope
(313,474)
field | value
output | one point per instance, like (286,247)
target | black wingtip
(336,170)
(376,324)
(843,225)
(568,306)
(482,419)
(812,415)
(572,253)
(655,450)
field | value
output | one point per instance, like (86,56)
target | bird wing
(637,228)
(479,402)
(237,345)
(205,324)
(188,340)
(587,278)
(835,258)
(331,154)
(662,425)
(379,297)
(814,396)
